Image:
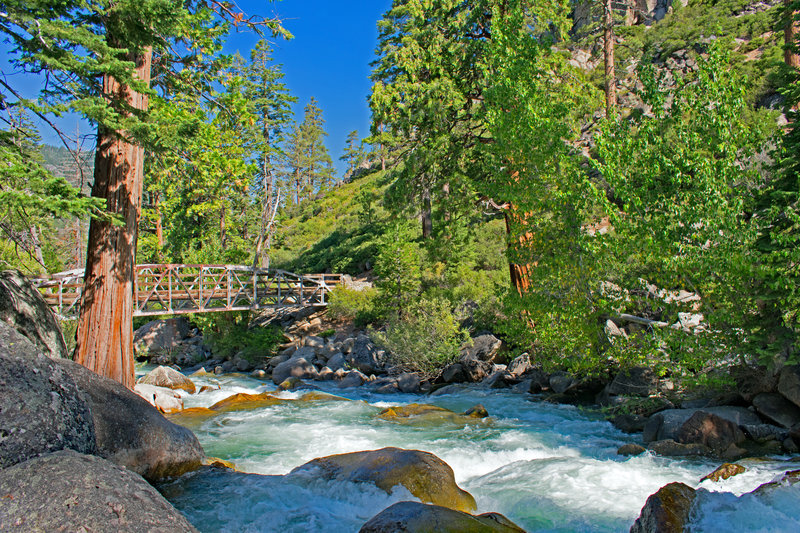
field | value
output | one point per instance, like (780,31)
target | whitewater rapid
(546,467)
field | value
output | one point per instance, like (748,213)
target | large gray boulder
(367,357)
(68,491)
(167,377)
(665,424)
(415,517)
(296,367)
(41,407)
(666,511)
(24,309)
(776,408)
(483,348)
(159,336)
(132,433)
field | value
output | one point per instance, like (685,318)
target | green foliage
(425,338)
(361,307)
(230,334)
(399,267)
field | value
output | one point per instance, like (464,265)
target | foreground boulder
(41,408)
(24,309)
(163,399)
(415,517)
(132,433)
(666,511)
(68,491)
(424,475)
(169,378)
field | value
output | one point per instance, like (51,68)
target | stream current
(546,467)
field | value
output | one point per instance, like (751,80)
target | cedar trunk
(608,55)
(790,34)
(105,328)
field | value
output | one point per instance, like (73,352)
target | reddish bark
(608,55)
(105,327)
(790,34)
(520,275)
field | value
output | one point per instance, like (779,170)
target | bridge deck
(173,289)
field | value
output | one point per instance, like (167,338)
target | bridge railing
(173,289)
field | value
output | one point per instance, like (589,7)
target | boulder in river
(666,511)
(424,475)
(665,424)
(41,407)
(169,378)
(710,430)
(776,408)
(483,348)
(68,491)
(367,357)
(132,433)
(415,517)
(164,399)
(297,367)
(725,471)
(24,309)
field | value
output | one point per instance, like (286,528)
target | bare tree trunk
(425,215)
(790,34)
(159,223)
(223,237)
(608,55)
(79,244)
(105,327)
(36,244)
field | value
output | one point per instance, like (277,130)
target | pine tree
(309,165)
(353,153)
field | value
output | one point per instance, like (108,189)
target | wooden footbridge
(183,289)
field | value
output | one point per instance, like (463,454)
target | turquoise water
(546,467)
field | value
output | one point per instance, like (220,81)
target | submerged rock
(424,475)
(243,401)
(631,449)
(68,491)
(169,378)
(725,471)
(41,408)
(415,517)
(426,414)
(666,511)
(23,308)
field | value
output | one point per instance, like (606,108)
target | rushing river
(546,467)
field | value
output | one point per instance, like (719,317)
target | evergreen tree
(353,153)
(310,168)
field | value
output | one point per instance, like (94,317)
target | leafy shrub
(229,334)
(425,338)
(358,306)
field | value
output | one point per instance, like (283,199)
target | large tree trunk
(520,275)
(608,55)
(159,223)
(105,327)
(790,34)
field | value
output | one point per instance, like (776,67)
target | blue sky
(334,42)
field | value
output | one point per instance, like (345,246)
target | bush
(358,306)
(425,339)
(229,334)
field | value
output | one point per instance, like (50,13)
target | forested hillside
(600,184)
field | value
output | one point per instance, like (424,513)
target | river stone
(159,336)
(483,348)
(637,381)
(519,365)
(764,432)
(24,309)
(41,407)
(424,475)
(474,369)
(666,511)
(336,361)
(776,408)
(354,378)
(408,382)
(164,399)
(710,430)
(298,367)
(454,373)
(314,342)
(68,491)
(132,433)
(725,471)
(665,424)
(415,517)
(561,382)
(671,448)
(169,378)
(367,357)
(629,423)
(789,384)
(631,449)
